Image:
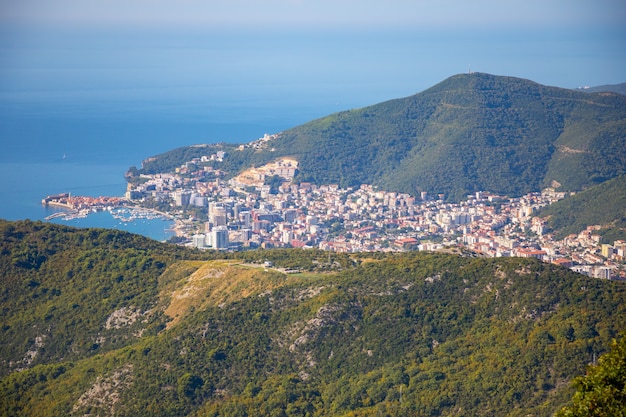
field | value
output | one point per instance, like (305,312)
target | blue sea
(79,107)
(89,156)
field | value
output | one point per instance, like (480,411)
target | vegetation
(98,322)
(173,159)
(58,283)
(603,205)
(469,133)
(602,391)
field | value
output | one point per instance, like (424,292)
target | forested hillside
(603,205)
(602,391)
(98,322)
(58,283)
(468,133)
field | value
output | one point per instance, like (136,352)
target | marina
(108,212)
(131,214)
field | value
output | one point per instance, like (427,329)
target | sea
(88,156)
(79,107)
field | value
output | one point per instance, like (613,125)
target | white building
(219,238)
(199,241)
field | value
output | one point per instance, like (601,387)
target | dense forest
(99,322)
(469,133)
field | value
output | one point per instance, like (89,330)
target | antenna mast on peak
(469,68)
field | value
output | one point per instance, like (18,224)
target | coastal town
(264,208)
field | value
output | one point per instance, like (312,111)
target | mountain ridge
(468,133)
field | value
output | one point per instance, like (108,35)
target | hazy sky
(316,55)
(319,13)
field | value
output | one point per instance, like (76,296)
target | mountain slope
(603,205)
(614,88)
(390,334)
(470,132)
(59,283)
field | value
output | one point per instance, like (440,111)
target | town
(263,208)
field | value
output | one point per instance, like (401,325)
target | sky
(595,29)
(186,58)
(317,13)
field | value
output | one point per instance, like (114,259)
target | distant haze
(321,14)
(400,46)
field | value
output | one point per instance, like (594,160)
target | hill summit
(471,132)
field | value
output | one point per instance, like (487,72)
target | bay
(42,179)
(86,152)
(89,158)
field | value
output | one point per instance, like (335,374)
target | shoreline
(157,228)
(123,213)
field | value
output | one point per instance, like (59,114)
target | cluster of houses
(248,213)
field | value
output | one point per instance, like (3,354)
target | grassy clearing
(216,283)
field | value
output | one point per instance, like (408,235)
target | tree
(274,182)
(188,384)
(602,392)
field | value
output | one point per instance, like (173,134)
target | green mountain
(603,205)
(471,132)
(98,322)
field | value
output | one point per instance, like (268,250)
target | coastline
(157,228)
(112,213)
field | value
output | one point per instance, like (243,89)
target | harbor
(108,212)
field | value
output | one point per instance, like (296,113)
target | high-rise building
(602,272)
(197,200)
(181,198)
(286,237)
(246,234)
(219,238)
(245,218)
(218,215)
(607,250)
(199,241)
(290,215)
